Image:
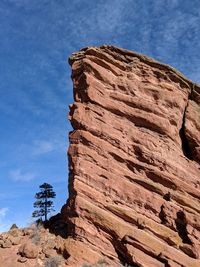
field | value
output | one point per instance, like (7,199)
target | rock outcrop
(31,247)
(134,172)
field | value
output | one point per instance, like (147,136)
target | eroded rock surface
(134,154)
(34,246)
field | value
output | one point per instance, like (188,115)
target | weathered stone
(51,244)
(6,244)
(15,232)
(27,231)
(192,127)
(22,259)
(15,240)
(1,242)
(190,250)
(28,250)
(134,189)
(49,252)
(24,248)
(13,226)
(41,256)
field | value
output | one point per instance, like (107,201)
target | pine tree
(43,204)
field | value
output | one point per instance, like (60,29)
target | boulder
(22,259)
(15,240)
(6,244)
(28,250)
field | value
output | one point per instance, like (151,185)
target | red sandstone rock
(31,246)
(28,250)
(134,154)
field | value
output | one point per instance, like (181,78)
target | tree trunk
(45,209)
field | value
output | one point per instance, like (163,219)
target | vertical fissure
(181,226)
(185,144)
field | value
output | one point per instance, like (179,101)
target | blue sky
(37,37)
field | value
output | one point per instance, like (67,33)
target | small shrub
(53,261)
(100,263)
(36,236)
(104,263)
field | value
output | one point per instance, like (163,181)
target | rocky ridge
(33,246)
(134,162)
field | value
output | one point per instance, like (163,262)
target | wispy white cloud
(18,175)
(3,222)
(3,212)
(43,147)
(163,29)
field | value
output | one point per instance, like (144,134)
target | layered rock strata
(134,172)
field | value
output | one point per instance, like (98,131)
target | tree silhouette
(43,204)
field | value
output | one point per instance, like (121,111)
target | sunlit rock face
(134,172)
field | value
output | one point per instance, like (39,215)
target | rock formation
(31,247)
(134,162)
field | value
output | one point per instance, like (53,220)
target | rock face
(134,172)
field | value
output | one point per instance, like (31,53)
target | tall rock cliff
(134,162)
